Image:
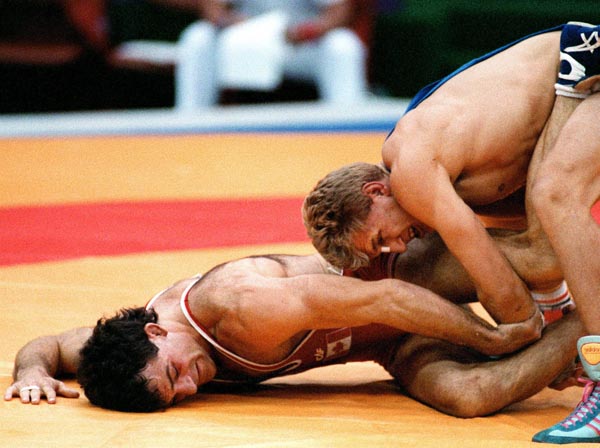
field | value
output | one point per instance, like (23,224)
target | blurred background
(66,55)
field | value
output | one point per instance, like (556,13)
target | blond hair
(336,209)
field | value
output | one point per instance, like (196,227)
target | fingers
(33,394)
(65,391)
(10,392)
(30,394)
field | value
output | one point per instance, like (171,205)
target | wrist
(21,372)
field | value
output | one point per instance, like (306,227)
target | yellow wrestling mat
(354,405)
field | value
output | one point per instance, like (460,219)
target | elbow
(552,191)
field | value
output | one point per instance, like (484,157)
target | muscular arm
(282,307)
(500,290)
(43,359)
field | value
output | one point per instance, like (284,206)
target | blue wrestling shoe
(583,424)
(579,74)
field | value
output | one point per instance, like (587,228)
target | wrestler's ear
(375,188)
(153,330)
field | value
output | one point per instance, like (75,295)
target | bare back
(469,144)
(487,121)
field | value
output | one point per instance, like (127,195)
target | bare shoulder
(251,281)
(272,265)
(431,138)
(423,130)
(251,303)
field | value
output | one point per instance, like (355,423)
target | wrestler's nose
(185,387)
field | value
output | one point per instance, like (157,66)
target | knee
(463,395)
(468,405)
(549,191)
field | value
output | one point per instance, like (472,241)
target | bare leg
(564,190)
(567,186)
(429,263)
(462,383)
(530,252)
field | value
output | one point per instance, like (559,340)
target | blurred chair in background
(245,44)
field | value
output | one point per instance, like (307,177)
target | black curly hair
(112,359)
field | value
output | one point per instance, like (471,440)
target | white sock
(554,303)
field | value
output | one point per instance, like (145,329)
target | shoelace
(587,404)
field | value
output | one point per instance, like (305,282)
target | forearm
(500,290)
(328,301)
(52,355)
(41,354)
(420,311)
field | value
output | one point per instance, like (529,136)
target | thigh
(573,158)
(562,112)
(566,188)
(462,382)
(429,263)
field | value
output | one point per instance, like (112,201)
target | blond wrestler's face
(388,227)
(181,365)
